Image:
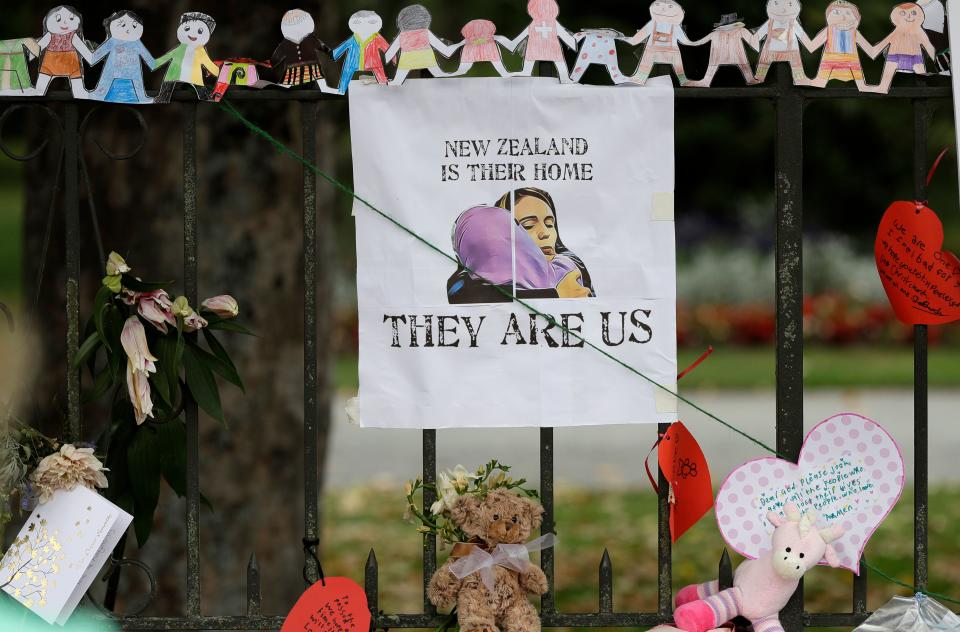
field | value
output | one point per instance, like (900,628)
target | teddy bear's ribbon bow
(515,557)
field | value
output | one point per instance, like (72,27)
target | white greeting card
(60,550)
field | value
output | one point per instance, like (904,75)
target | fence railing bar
(202,623)
(429,497)
(191,292)
(71,149)
(606,583)
(664,541)
(254,595)
(789,288)
(548,601)
(921,125)
(311,464)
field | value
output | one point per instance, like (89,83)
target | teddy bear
(489,577)
(762,587)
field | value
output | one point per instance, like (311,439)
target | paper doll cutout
(840,40)
(296,61)
(905,45)
(363,49)
(416,44)
(726,49)
(935,24)
(14,74)
(481,44)
(782,35)
(239,71)
(598,46)
(63,46)
(663,34)
(543,39)
(122,78)
(188,60)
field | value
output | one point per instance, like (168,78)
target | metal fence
(789,103)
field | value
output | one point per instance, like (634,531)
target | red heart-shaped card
(683,464)
(338,606)
(921,280)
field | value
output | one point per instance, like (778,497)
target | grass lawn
(625,523)
(824,367)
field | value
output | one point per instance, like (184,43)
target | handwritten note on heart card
(60,550)
(921,280)
(850,472)
(338,606)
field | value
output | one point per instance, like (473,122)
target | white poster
(556,198)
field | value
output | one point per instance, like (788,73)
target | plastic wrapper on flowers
(917,614)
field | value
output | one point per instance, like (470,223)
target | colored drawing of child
(663,35)
(14,73)
(726,49)
(122,78)
(840,40)
(481,44)
(189,59)
(363,49)
(296,60)
(63,46)
(782,35)
(416,44)
(598,46)
(935,24)
(543,39)
(905,45)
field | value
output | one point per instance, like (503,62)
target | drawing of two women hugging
(513,249)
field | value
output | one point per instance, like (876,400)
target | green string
(280,147)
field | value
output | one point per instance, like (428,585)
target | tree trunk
(250,208)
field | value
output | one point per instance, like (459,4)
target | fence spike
(254,596)
(606,583)
(371,581)
(860,588)
(726,570)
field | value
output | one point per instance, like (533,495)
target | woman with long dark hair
(514,249)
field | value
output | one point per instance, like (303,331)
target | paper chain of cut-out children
(918,29)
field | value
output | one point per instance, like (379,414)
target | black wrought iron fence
(789,103)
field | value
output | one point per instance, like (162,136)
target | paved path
(612,456)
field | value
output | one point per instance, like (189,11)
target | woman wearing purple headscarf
(544,267)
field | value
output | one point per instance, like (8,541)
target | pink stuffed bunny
(762,587)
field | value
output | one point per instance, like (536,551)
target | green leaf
(220,362)
(165,348)
(101,385)
(230,325)
(161,386)
(202,384)
(173,446)
(100,305)
(132,283)
(145,468)
(87,349)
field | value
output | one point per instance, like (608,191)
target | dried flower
(66,469)
(116,265)
(191,320)
(138,388)
(134,341)
(224,306)
(155,308)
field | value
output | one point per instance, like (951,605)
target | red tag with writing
(339,606)
(921,280)
(691,491)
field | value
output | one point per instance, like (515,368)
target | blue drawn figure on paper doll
(363,50)
(122,78)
